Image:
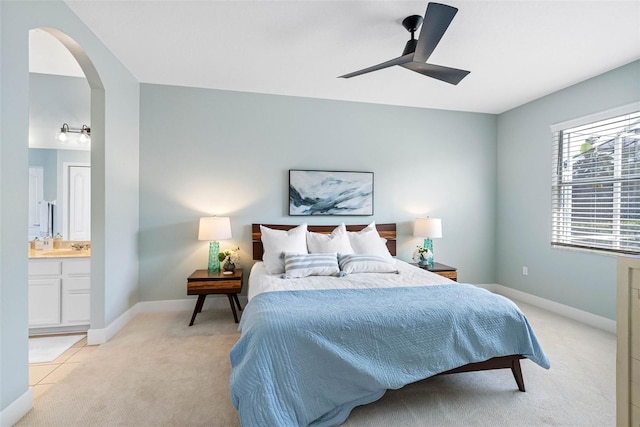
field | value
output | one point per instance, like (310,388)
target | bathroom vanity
(59,290)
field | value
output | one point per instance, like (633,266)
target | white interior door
(79,203)
(36,194)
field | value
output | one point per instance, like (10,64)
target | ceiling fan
(416,52)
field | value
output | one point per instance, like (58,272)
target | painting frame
(330,193)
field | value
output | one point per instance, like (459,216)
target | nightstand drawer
(213,285)
(453,275)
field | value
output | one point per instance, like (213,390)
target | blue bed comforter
(307,358)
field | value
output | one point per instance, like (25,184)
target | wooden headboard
(387,231)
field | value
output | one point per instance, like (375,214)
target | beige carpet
(159,372)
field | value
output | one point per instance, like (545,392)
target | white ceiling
(516,51)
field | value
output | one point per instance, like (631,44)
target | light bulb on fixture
(62,135)
(84,135)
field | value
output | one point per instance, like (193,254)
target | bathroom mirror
(59,193)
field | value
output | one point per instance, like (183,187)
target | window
(596,183)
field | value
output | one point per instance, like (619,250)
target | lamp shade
(427,227)
(214,228)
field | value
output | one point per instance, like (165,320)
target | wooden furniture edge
(502,362)
(625,272)
(453,275)
(386,231)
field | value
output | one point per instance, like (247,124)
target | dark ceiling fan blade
(446,74)
(436,21)
(396,61)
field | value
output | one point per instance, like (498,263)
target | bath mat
(48,349)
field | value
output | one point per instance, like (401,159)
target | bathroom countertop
(59,253)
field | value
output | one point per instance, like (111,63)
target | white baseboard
(17,409)
(564,310)
(58,330)
(101,336)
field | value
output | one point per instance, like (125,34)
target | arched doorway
(97,119)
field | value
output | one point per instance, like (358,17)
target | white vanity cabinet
(59,292)
(43,295)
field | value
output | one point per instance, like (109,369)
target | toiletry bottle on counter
(37,244)
(47,243)
(57,241)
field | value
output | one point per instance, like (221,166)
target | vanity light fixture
(83,138)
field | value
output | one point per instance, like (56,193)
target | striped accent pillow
(364,263)
(303,265)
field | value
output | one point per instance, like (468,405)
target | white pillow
(357,263)
(368,241)
(337,241)
(276,242)
(303,265)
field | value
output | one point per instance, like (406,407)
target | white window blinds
(596,184)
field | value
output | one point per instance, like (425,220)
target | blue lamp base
(428,244)
(214,261)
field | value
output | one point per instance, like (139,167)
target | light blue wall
(115,131)
(584,280)
(205,152)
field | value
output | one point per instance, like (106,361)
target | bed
(312,348)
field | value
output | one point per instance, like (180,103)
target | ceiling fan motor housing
(412,23)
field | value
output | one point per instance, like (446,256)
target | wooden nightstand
(442,270)
(203,283)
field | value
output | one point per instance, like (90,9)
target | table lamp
(214,228)
(428,228)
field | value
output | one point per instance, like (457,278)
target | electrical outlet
(525,271)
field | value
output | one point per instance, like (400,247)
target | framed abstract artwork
(313,192)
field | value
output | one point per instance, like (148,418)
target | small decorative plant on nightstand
(423,256)
(229,257)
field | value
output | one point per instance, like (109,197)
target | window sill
(593,251)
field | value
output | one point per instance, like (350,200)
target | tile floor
(43,375)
